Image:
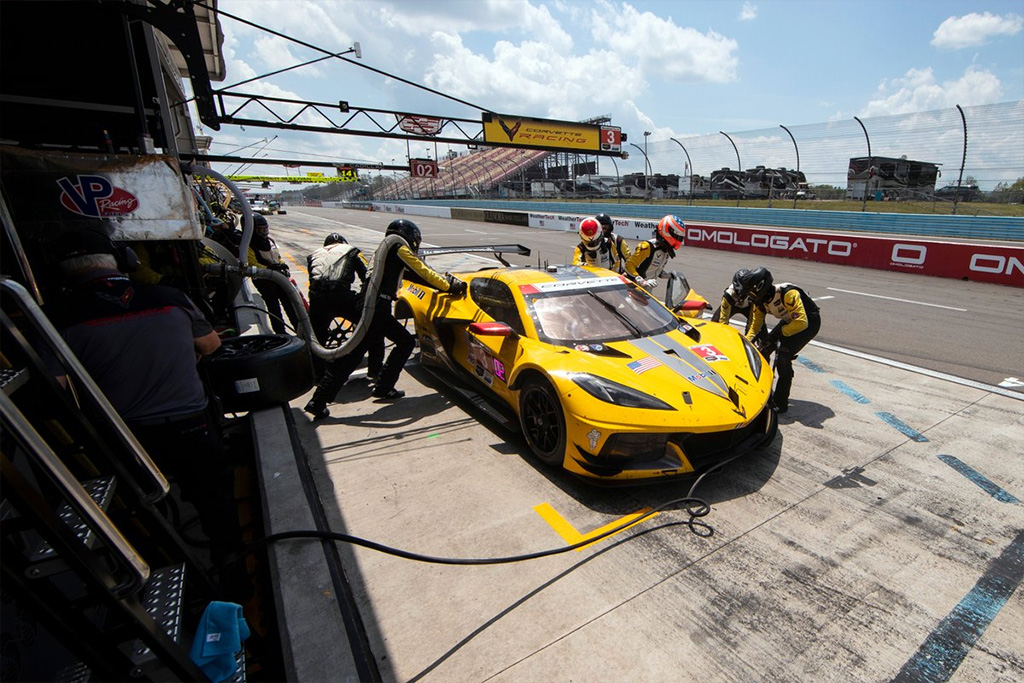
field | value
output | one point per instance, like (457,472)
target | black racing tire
(259,371)
(543,422)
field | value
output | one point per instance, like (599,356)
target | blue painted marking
(986,485)
(902,426)
(849,391)
(942,652)
(811,365)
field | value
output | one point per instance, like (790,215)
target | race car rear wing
(496,249)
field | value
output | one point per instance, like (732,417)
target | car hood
(712,376)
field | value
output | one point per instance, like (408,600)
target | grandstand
(486,172)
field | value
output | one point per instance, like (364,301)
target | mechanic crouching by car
(398,258)
(736,300)
(648,261)
(799,322)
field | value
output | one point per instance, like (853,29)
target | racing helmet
(671,230)
(606,223)
(758,283)
(259,222)
(739,287)
(407,230)
(335,238)
(590,232)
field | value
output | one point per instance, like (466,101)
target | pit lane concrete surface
(880,537)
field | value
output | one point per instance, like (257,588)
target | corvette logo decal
(510,132)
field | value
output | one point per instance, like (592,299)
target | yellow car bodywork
(604,380)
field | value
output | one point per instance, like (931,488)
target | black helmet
(759,285)
(606,222)
(335,238)
(259,221)
(739,287)
(407,230)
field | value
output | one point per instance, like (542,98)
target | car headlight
(615,393)
(754,357)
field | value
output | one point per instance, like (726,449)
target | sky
(676,69)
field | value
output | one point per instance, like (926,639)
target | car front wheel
(542,421)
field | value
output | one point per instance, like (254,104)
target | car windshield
(586,314)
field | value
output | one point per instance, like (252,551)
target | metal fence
(994,136)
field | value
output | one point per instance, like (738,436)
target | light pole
(618,182)
(650,168)
(689,165)
(647,165)
(739,166)
(797,189)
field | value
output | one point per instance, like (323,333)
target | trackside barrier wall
(917,225)
(999,264)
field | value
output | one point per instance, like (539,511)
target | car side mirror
(676,291)
(492,329)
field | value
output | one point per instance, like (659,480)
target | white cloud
(532,78)
(427,18)
(748,12)
(975,29)
(662,47)
(919,91)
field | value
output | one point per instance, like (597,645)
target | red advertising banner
(1002,265)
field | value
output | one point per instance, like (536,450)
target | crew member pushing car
(799,322)
(647,263)
(384,324)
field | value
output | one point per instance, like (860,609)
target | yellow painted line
(568,532)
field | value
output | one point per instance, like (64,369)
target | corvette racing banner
(525,132)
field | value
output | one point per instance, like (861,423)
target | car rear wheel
(542,421)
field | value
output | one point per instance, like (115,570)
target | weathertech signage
(525,132)
(978,262)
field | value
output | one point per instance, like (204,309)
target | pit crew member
(620,248)
(648,261)
(799,322)
(594,248)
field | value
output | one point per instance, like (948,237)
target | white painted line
(476,232)
(1012,382)
(923,371)
(913,368)
(821,298)
(890,298)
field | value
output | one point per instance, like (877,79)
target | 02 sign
(422,168)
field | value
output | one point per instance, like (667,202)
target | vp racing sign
(136,197)
(95,196)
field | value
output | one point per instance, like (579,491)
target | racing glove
(456,287)
(650,284)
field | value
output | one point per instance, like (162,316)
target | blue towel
(218,637)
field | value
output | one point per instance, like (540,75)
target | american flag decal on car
(643,365)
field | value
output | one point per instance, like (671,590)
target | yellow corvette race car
(603,379)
